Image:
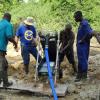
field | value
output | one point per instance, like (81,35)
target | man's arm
(16,40)
(72,38)
(96,35)
(63,49)
(13,41)
(83,38)
(70,42)
(87,33)
(62,39)
(9,35)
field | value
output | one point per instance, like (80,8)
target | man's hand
(15,45)
(17,49)
(61,50)
(34,42)
(94,33)
(97,36)
(80,41)
(14,42)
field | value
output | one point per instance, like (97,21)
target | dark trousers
(3,69)
(70,56)
(83,54)
(25,52)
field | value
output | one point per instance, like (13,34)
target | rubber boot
(74,69)
(0,81)
(5,85)
(60,73)
(26,68)
(84,75)
(78,77)
(0,77)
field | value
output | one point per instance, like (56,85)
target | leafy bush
(54,14)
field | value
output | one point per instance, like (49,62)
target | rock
(94,60)
(91,94)
(2,97)
(83,95)
(79,86)
(71,88)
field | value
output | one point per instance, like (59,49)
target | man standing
(83,45)
(6,34)
(67,39)
(27,34)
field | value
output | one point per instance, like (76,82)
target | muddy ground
(85,90)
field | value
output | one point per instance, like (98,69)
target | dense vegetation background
(52,14)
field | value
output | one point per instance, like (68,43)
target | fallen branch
(95,46)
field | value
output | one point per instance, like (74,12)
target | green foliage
(53,14)
(7,5)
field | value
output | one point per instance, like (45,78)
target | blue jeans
(26,51)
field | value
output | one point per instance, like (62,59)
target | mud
(85,90)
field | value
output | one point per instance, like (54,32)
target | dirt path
(85,90)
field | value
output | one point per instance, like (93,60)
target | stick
(57,58)
(36,70)
(95,46)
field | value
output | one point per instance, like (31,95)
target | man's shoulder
(72,33)
(32,27)
(21,27)
(5,23)
(62,31)
(84,22)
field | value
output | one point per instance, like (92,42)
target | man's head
(78,16)
(29,21)
(7,16)
(68,27)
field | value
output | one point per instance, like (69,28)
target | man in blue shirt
(84,35)
(6,34)
(27,34)
(83,45)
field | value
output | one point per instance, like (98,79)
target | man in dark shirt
(67,39)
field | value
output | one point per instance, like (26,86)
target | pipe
(50,74)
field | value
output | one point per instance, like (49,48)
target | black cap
(7,16)
(78,13)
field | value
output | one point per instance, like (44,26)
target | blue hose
(50,75)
